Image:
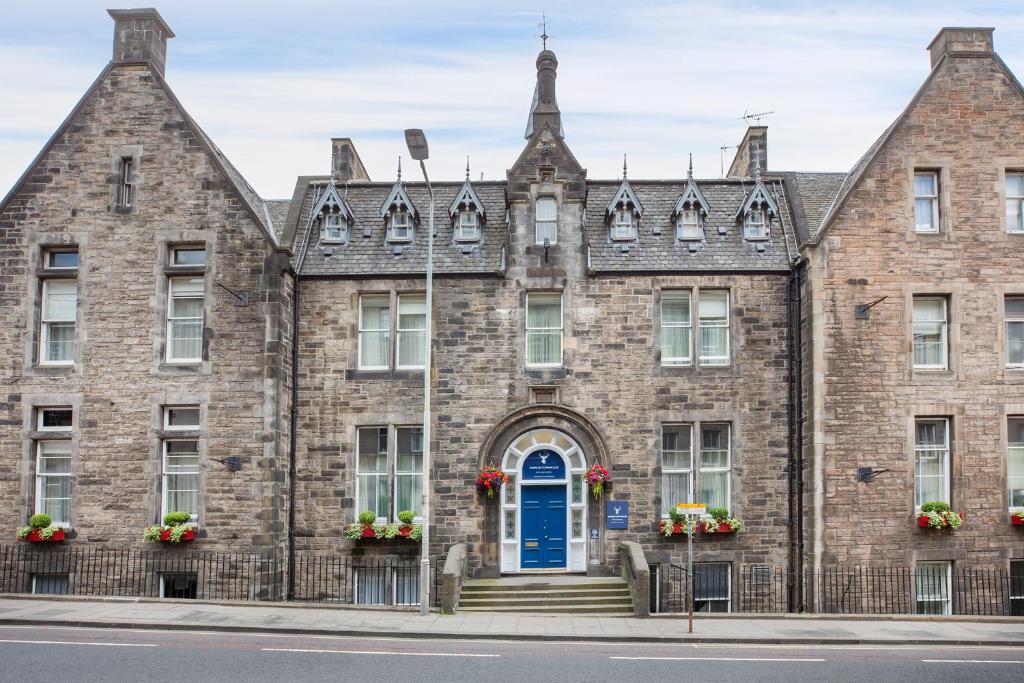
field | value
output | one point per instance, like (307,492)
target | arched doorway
(543,513)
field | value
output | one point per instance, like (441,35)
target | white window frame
(933,202)
(46,321)
(1015,321)
(1014,199)
(678,295)
(359,504)
(666,471)
(942,451)
(1014,478)
(335,228)
(546,222)
(546,330)
(126,184)
(35,585)
(40,410)
(40,476)
(946,576)
(467,226)
(701,470)
(399,330)
(164,474)
(944,365)
(756,229)
(174,256)
(171,318)
(380,298)
(714,323)
(728,586)
(48,258)
(405,226)
(168,427)
(623,224)
(687,229)
(406,473)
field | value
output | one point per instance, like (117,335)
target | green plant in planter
(940,515)
(719,516)
(177,523)
(719,513)
(406,517)
(40,522)
(676,516)
(176,518)
(367,517)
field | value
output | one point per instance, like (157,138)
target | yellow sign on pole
(692,508)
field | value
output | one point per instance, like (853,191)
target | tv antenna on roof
(756,118)
(721,157)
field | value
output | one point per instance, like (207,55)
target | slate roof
(368,253)
(723,247)
(278,210)
(811,195)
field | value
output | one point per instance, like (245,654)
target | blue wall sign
(593,534)
(617,514)
(545,464)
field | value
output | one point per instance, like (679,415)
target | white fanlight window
(547,221)
(467,226)
(623,227)
(688,225)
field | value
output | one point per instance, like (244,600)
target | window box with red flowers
(937,514)
(175,529)
(1017,516)
(721,523)
(490,480)
(677,524)
(366,529)
(41,529)
(598,480)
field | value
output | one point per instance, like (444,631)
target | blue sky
(271,82)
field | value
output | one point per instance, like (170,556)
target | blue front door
(543,535)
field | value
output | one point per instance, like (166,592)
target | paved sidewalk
(191,615)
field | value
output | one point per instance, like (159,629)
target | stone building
(751,342)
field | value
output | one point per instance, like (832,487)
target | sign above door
(543,464)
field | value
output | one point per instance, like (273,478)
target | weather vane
(543,26)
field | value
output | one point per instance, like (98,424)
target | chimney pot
(140,35)
(960,40)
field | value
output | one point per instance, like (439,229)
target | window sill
(384,373)
(184,271)
(467,239)
(546,373)
(122,209)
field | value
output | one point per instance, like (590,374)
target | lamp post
(418,150)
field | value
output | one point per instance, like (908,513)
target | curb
(540,637)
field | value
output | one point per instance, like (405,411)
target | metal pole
(425,541)
(689,570)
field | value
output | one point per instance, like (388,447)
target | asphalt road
(81,654)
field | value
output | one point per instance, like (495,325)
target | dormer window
(755,224)
(623,227)
(688,225)
(467,227)
(401,227)
(335,228)
(547,221)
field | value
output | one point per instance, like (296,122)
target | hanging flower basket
(490,481)
(721,522)
(597,479)
(938,515)
(41,529)
(175,529)
(365,529)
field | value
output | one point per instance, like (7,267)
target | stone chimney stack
(954,40)
(140,35)
(345,162)
(751,154)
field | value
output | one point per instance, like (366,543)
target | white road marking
(377,652)
(727,659)
(73,642)
(973,661)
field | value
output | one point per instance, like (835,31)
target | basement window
(181,586)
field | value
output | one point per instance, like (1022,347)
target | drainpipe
(790,438)
(801,266)
(293,437)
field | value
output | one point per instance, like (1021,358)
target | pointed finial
(623,166)
(544,30)
(399,168)
(467,168)
(689,172)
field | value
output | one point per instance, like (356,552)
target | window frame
(340,228)
(623,225)
(461,226)
(40,477)
(1016,588)
(168,427)
(382,298)
(171,318)
(126,183)
(553,221)
(173,251)
(1012,475)
(394,506)
(665,471)
(399,330)
(359,504)
(944,342)
(670,295)
(50,252)
(682,225)
(406,225)
(946,592)
(933,201)
(727,600)
(756,230)
(51,575)
(40,410)
(702,470)
(1015,319)
(164,474)
(45,322)
(945,452)
(546,330)
(712,361)
(1018,199)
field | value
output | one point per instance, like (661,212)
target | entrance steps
(548,594)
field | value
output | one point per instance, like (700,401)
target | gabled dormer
(691,210)
(399,213)
(467,212)
(757,211)
(334,216)
(624,211)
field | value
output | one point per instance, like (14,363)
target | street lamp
(416,141)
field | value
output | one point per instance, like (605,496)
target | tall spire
(623,166)
(399,168)
(544,109)
(689,172)
(467,168)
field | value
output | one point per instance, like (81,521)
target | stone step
(597,610)
(553,601)
(540,594)
(491,585)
